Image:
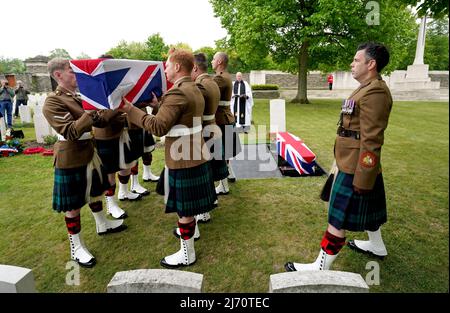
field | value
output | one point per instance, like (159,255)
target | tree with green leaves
(83,56)
(156,48)
(302,35)
(133,50)
(59,53)
(436,45)
(432,8)
(10,66)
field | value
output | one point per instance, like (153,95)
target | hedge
(265,87)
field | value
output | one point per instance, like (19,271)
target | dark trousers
(6,110)
(18,103)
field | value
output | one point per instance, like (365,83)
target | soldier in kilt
(231,145)
(109,140)
(357,201)
(143,145)
(79,176)
(188,175)
(211,132)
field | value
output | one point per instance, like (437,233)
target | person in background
(21,97)
(330,81)
(242,103)
(6,102)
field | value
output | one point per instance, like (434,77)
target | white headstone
(317,282)
(277,115)
(3,128)
(155,281)
(41,126)
(25,114)
(15,279)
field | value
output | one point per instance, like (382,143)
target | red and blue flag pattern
(103,82)
(296,153)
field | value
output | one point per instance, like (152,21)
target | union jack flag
(103,82)
(296,153)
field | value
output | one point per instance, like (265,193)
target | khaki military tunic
(211,94)
(64,112)
(364,118)
(223,114)
(181,105)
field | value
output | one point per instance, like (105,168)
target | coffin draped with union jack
(296,153)
(103,82)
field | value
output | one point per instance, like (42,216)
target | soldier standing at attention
(358,200)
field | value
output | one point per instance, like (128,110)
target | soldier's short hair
(377,52)
(184,58)
(57,64)
(201,61)
(224,57)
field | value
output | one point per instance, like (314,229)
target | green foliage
(436,45)
(59,53)
(133,50)
(83,56)
(305,35)
(265,87)
(50,139)
(332,28)
(433,8)
(11,66)
(153,49)
(156,48)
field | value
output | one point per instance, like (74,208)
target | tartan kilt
(149,141)
(231,144)
(69,188)
(136,145)
(191,190)
(108,151)
(354,212)
(219,167)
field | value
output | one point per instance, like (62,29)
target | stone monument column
(417,74)
(420,47)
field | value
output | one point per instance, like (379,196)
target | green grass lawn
(261,224)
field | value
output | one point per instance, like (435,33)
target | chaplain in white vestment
(242,103)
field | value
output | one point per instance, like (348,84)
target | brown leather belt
(348,133)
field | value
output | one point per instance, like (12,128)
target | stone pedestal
(416,78)
(155,281)
(15,279)
(317,282)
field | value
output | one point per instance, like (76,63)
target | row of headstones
(41,127)
(15,279)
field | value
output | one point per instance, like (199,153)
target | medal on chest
(348,106)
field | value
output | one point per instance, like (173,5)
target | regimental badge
(348,106)
(368,159)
